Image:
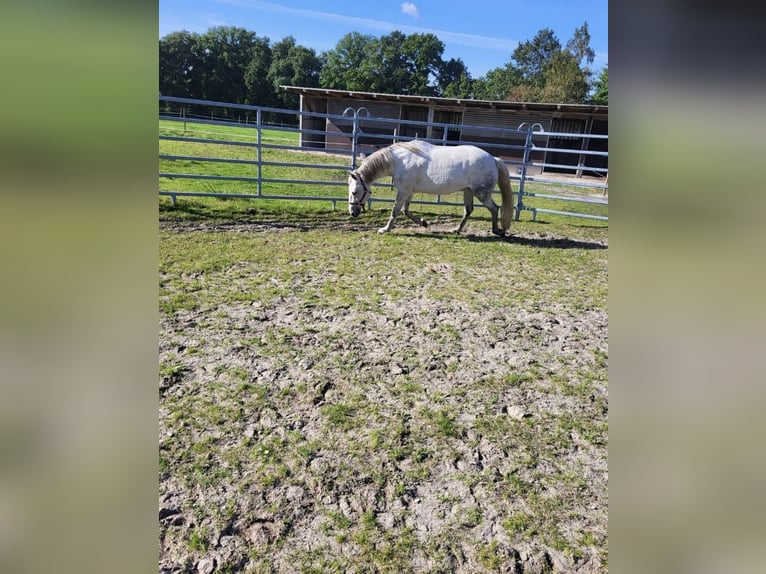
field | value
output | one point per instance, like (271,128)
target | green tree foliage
(347,67)
(497,84)
(292,65)
(394,64)
(232,64)
(258,89)
(423,53)
(454,80)
(226,53)
(579,46)
(541,70)
(565,82)
(532,57)
(390,65)
(601,86)
(180,64)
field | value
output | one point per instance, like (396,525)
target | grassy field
(333,400)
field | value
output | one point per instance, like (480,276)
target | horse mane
(376,165)
(415,146)
(381,161)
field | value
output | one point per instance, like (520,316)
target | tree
(532,57)
(454,80)
(401,64)
(601,86)
(259,91)
(347,66)
(540,70)
(180,64)
(394,63)
(389,64)
(565,81)
(232,64)
(292,65)
(423,54)
(498,84)
(226,53)
(579,46)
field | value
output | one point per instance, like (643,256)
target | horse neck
(376,166)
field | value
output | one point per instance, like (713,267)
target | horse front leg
(401,199)
(414,217)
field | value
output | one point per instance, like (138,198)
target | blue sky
(483,33)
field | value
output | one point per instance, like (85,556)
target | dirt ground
(415,433)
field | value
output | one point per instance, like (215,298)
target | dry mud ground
(336,401)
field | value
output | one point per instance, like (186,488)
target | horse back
(443,169)
(467,164)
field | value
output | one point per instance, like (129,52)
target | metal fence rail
(544,186)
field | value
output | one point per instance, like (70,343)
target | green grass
(339,415)
(297,171)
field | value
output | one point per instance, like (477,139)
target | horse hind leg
(485,196)
(467,209)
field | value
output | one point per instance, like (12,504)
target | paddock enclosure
(213,149)
(334,400)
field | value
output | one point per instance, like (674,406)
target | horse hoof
(382,230)
(424,223)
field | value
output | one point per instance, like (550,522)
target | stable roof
(569,110)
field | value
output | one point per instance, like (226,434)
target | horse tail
(506,193)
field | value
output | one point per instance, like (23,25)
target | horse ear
(352,174)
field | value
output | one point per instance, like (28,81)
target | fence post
(355,140)
(355,131)
(259,149)
(524,162)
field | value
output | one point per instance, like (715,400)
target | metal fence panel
(356,120)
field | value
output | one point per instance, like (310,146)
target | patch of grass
(171,372)
(340,520)
(519,523)
(489,557)
(339,415)
(588,539)
(518,379)
(472,516)
(199,539)
(601,357)
(444,422)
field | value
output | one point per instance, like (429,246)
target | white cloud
(410,8)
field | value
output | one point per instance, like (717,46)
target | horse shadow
(537,242)
(264,220)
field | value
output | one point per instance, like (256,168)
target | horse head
(358,193)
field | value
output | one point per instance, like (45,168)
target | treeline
(231,64)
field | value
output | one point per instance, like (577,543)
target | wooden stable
(470,119)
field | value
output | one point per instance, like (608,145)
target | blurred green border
(78,319)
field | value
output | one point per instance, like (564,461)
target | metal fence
(542,192)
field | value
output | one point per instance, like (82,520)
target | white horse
(419,167)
